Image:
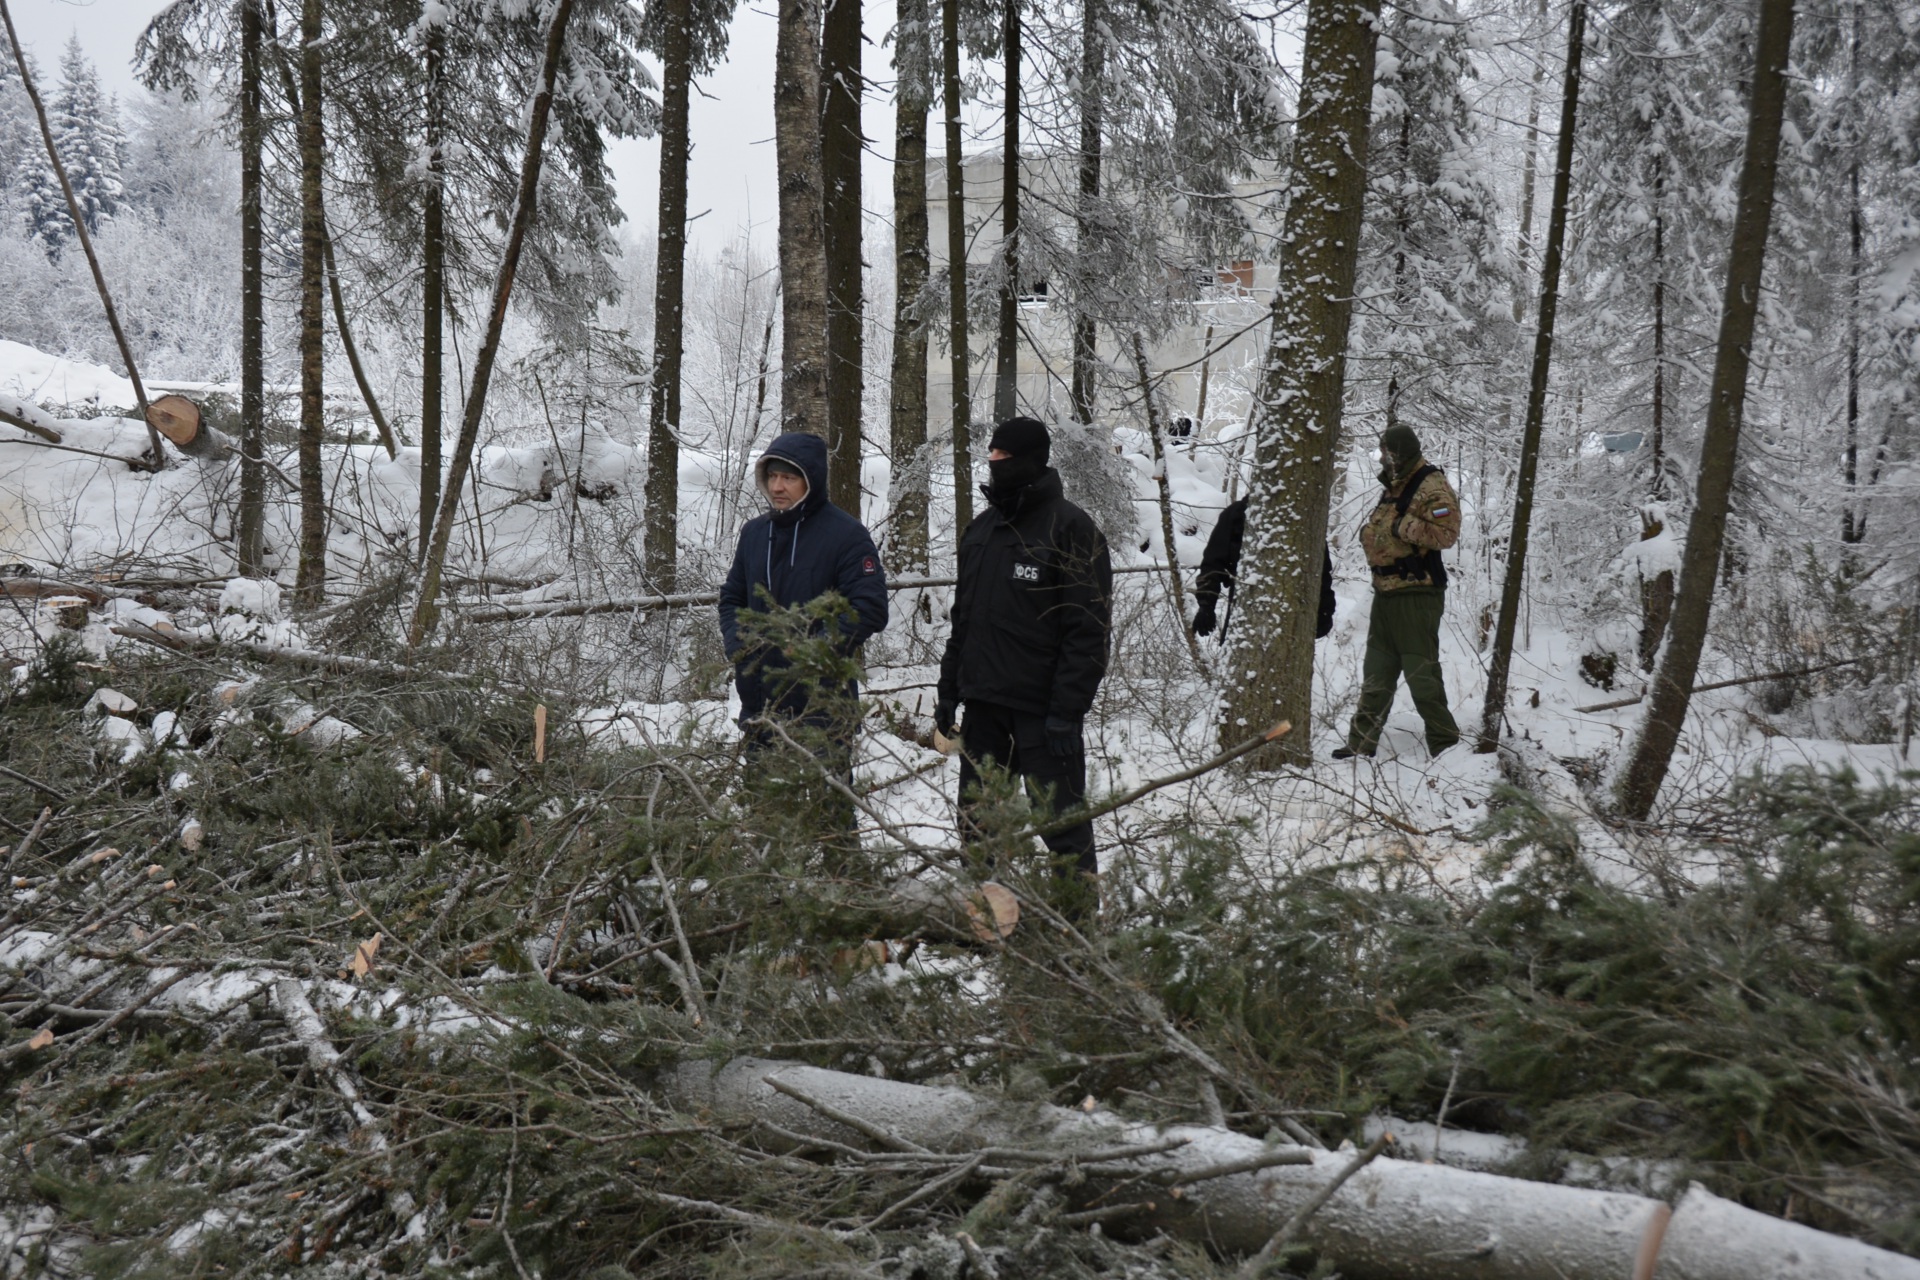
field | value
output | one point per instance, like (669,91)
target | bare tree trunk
(803,262)
(841,145)
(913,51)
(1297,427)
(960,339)
(669,289)
(1006,352)
(1494,711)
(1852,528)
(433,286)
(351,351)
(252,523)
(86,240)
(426,609)
(1093,73)
(1156,430)
(310,583)
(1524,248)
(1656,593)
(1647,764)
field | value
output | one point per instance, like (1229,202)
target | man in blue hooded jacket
(802,549)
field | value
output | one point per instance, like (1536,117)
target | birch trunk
(1494,710)
(1297,416)
(841,145)
(1646,766)
(803,264)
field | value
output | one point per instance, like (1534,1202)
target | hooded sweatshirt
(795,556)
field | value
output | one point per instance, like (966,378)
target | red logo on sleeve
(869,565)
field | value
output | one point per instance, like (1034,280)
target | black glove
(1063,736)
(943,716)
(1205,621)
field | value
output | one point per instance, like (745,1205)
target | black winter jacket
(795,556)
(1220,565)
(1033,607)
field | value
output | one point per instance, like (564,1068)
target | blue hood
(807,452)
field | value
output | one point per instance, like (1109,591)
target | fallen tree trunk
(1393,1220)
(536,609)
(1735,683)
(181,422)
(19,413)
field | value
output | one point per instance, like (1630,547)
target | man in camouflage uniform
(1417,518)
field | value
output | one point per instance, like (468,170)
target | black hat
(1400,441)
(1023,438)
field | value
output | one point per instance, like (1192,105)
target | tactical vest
(1419,563)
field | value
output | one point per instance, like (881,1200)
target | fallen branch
(1728,684)
(1075,817)
(18,413)
(539,609)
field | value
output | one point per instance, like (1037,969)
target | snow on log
(181,422)
(28,416)
(1714,1239)
(1394,1220)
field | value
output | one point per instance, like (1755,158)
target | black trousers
(1017,742)
(772,768)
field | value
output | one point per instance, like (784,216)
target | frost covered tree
(1435,271)
(1303,383)
(86,129)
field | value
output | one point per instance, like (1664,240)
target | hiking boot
(1348,753)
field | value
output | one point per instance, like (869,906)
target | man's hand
(1205,621)
(943,717)
(1063,736)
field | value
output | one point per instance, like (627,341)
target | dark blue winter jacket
(795,556)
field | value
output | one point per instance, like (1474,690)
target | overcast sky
(732,175)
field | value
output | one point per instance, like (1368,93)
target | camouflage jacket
(1404,551)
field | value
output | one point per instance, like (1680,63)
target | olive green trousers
(1403,638)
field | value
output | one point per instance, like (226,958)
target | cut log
(42,588)
(181,422)
(987,912)
(1714,1239)
(1393,1220)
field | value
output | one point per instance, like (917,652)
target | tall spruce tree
(86,129)
(912,254)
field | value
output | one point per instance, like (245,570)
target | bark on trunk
(1006,352)
(252,521)
(911,255)
(1298,416)
(1494,710)
(1093,72)
(1652,753)
(960,339)
(669,287)
(1523,248)
(796,139)
(310,583)
(841,145)
(426,609)
(433,288)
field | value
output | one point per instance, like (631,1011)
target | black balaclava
(1404,446)
(1028,447)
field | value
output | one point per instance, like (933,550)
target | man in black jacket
(1029,643)
(1220,565)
